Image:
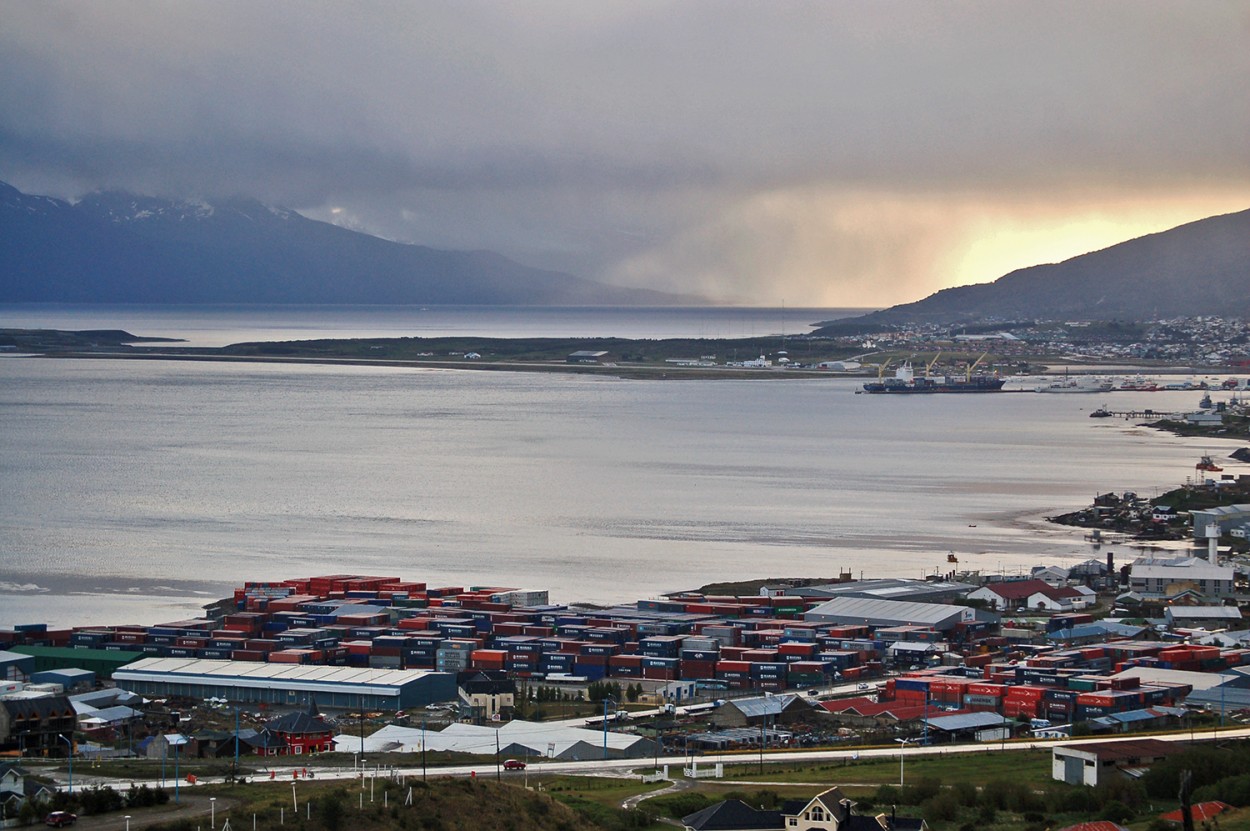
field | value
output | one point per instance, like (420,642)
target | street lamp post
(605,724)
(901,752)
(70,743)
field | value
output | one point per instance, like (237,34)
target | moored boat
(1085,385)
(905,382)
(1208,464)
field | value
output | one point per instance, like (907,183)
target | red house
(296,734)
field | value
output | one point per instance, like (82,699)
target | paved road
(189,805)
(623,767)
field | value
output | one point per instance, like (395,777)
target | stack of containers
(453,655)
(625,666)
(1058,705)
(911,690)
(808,673)
(984,697)
(698,658)
(489,659)
(768,675)
(387,652)
(737,674)
(1022,701)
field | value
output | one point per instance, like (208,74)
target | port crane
(976,364)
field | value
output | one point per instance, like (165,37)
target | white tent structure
(515,739)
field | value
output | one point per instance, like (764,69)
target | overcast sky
(831,153)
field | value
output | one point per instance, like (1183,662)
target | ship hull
(921,387)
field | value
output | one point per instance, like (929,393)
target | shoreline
(657,373)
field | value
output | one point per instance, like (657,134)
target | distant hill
(1201,268)
(122,248)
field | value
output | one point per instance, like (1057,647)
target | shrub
(1119,789)
(1009,795)
(924,788)
(1235,790)
(966,792)
(680,805)
(888,795)
(332,810)
(1116,811)
(1208,765)
(943,807)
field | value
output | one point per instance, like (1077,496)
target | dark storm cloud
(695,143)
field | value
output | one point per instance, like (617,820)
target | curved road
(190,805)
(622,767)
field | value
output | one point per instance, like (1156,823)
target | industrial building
(1227,518)
(287,685)
(100,661)
(1163,578)
(1092,763)
(878,613)
(898,589)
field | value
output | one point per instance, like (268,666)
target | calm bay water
(130,480)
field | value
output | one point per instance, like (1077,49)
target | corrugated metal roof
(889,611)
(769,705)
(969,721)
(1198,570)
(1204,612)
(1096,630)
(914,646)
(257,674)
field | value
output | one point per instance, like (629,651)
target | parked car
(60,819)
(514,764)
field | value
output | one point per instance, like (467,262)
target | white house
(1051,575)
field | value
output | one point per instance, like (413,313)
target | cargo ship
(906,382)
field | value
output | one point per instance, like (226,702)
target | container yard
(351,641)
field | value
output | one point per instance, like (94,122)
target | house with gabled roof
(34,726)
(829,810)
(770,709)
(298,733)
(732,815)
(864,712)
(17,787)
(1030,594)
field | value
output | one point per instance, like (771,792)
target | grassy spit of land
(700,358)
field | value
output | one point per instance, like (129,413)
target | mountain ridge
(1198,268)
(116,247)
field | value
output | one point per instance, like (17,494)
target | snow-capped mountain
(113,247)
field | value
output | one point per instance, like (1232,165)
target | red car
(60,819)
(514,764)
